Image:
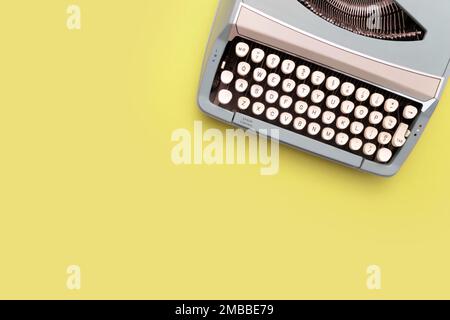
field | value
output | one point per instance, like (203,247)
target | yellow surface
(86,177)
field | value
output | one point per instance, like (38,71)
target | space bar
(299,141)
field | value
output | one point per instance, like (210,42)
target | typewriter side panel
(218,40)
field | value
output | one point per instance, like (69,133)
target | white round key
(384,138)
(225,97)
(303,72)
(286,118)
(356,128)
(243,69)
(318,78)
(347,89)
(328,117)
(226,77)
(391,105)
(370,133)
(356,144)
(258,108)
(286,102)
(256,91)
(333,83)
(314,112)
(347,107)
(361,112)
(242,49)
(375,117)
(376,100)
(317,96)
(333,102)
(258,55)
(362,94)
(288,85)
(272,61)
(342,139)
(314,129)
(384,155)
(259,75)
(328,134)
(241,85)
(288,66)
(299,123)
(271,96)
(301,107)
(389,123)
(410,112)
(342,123)
(303,91)
(273,80)
(272,114)
(369,149)
(243,103)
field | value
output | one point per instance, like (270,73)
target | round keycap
(226,77)
(272,61)
(225,97)
(410,112)
(299,123)
(369,149)
(391,105)
(342,139)
(328,134)
(384,155)
(356,144)
(272,114)
(318,78)
(241,85)
(242,49)
(243,103)
(286,118)
(243,69)
(303,72)
(257,55)
(288,66)
(258,108)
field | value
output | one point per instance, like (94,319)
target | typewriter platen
(354,81)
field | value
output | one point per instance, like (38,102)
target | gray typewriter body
(415,72)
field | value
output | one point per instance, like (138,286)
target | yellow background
(86,177)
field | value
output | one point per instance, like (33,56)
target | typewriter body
(353,81)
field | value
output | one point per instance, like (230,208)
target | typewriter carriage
(380,19)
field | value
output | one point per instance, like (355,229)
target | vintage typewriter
(354,81)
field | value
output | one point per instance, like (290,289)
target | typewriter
(353,81)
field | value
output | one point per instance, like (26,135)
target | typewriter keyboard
(313,100)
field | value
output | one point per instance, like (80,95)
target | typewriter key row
(313,101)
